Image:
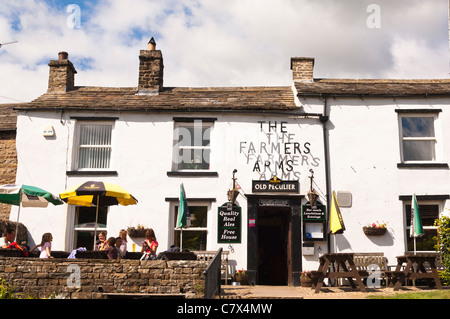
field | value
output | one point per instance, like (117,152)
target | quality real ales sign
(229,224)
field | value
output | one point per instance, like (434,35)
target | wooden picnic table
(340,270)
(418,272)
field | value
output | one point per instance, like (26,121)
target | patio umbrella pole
(18,215)
(96,221)
(181,239)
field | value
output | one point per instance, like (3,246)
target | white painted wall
(142,156)
(364,152)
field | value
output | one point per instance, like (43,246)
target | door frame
(294,242)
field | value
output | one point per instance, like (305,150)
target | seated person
(111,250)
(8,238)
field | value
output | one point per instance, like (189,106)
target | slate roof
(380,88)
(107,98)
(231,98)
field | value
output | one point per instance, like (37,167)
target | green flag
(183,211)
(416,224)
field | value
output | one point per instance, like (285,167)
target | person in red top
(149,246)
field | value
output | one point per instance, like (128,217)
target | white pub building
(374,142)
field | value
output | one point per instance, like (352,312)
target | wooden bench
(398,273)
(365,261)
(205,255)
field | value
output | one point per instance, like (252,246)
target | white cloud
(221,43)
(414,59)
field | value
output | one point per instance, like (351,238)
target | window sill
(191,173)
(423,165)
(91,173)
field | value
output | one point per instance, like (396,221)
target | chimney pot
(151,44)
(63,55)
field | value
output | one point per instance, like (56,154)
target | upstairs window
(94,146)
(192,148)
(418,137)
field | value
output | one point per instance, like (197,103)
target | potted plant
(240,277)
(375,229)
(305,278)
(138,231)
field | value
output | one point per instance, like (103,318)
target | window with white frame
(94,145)
(192,148)
(194,237)
(418,137)
(429,211)
(84,225)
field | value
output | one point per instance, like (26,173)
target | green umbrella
(26,196)
(416,229)
(183,210)
(183,219)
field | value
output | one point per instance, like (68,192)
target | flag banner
(336,222)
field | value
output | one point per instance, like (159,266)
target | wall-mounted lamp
(233,193)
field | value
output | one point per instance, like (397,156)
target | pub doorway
(274,253)
(273,245)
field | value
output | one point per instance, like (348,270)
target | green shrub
(443,245)
(6,291)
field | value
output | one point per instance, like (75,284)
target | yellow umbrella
(93,193)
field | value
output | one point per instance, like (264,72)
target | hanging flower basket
(136,232)
(371,231)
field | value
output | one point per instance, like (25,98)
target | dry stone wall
(93,278)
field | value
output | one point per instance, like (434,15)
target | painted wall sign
(277,151)
(229,224)
(275,185)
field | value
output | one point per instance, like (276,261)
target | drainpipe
(326,148)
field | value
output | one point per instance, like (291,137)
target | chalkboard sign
(314,213)
(229,224)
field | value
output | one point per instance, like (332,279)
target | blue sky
(221,43)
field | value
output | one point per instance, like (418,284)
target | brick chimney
(62,74)
(302,69)
(151,70)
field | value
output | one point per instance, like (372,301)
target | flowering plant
(305,273)
(377,225)
(240,272)
(138,227)
(241,277)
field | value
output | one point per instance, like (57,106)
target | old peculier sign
(275,185)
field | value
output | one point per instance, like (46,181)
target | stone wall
(8,165)
(43,277)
